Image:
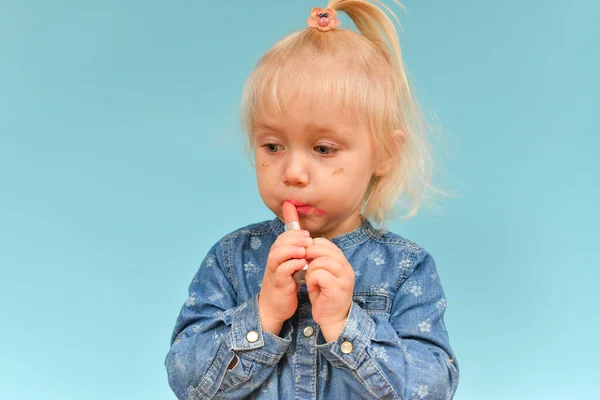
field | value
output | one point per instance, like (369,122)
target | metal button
(346,347)
(308,331)
(252,336)
(452,361)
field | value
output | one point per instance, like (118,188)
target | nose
(296,170)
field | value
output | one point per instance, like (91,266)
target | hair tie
(323,20)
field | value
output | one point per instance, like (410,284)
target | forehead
(304,113)
(302,94)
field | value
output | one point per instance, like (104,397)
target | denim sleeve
(407,357)
(211,330)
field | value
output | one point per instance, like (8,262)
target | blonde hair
(360,70)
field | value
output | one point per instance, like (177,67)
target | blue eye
(326,150)
(271,147)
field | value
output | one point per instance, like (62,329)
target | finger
(283,273)
(313,293)
(281,254)
(299,238)
(320,249)
(332,265)
(289,267)
(319,279)
(329,244)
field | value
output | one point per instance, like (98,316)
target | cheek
(266,174)
(348,181)
(347,172)
(337,171)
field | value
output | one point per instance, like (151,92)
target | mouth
(309,210)
(306,209)
(297,203)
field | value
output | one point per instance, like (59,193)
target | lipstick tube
(292,224)
(300,275)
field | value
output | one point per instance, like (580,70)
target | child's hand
(278,298)
(330,284)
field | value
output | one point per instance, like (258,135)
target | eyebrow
(313,128)
(261,125)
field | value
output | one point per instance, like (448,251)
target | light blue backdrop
(121,164)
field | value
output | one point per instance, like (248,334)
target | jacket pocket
(236,376)
(372,303)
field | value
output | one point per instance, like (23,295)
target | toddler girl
(336,136)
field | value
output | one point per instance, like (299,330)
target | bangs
(356,85)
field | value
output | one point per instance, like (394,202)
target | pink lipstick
(290,214)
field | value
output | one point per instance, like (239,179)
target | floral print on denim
(398,343)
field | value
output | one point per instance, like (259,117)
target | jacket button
(346,347)
(252,336)
(308,331)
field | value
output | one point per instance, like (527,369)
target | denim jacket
(394,344)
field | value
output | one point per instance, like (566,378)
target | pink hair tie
(323,20)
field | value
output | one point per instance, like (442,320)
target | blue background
(122,162)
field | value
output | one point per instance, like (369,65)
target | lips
(306,209)
(297,203)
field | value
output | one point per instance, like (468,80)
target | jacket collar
(345,241)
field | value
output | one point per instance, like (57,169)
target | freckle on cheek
(265,165)
(339,170)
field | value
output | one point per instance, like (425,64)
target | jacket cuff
(248,337)
(350,347)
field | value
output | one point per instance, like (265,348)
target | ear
(400,135)
(385,166)
(382,169)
